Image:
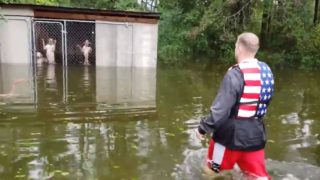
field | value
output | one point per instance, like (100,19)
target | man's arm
(223,103)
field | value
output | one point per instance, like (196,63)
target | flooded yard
(138,123)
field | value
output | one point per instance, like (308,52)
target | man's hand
(199,135)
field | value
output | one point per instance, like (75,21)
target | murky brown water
(127,123)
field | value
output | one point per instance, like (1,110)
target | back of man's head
(249,42)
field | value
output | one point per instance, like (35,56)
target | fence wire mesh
(80,43)
(48,41)
(70,42)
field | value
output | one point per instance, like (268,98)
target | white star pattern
(267,83)
(269,89)
(263,90)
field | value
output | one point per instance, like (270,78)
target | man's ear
(239,48)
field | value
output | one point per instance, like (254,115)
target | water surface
(137,123)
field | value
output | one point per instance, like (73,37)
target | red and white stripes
(251,90)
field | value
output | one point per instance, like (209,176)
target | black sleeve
(223,103)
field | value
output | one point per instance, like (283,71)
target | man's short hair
(249,41)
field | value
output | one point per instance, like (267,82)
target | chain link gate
(48,42)
(61,43)
(71,42)
(78,43)
(80,38)
(48,53)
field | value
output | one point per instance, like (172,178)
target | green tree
(316,11)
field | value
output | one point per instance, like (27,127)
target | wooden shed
(77,36)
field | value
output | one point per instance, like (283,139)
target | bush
(308,46)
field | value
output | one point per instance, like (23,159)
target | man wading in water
(236,115)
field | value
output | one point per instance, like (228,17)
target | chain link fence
(48,42)
(70,42)
(80,43)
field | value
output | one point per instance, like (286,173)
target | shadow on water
(136,123)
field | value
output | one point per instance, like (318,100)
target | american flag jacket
(257,90)
(236,115)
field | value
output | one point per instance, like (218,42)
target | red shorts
(252,163)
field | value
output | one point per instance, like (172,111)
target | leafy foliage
(209,28)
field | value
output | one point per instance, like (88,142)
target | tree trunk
(266,22)
(316,10)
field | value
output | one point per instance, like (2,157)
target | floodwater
(132,124)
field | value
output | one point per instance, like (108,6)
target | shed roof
(57,12)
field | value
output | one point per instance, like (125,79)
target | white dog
(86,50)
(40,58)
(50,49)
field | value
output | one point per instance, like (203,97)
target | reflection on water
(128,123)
(8,83)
